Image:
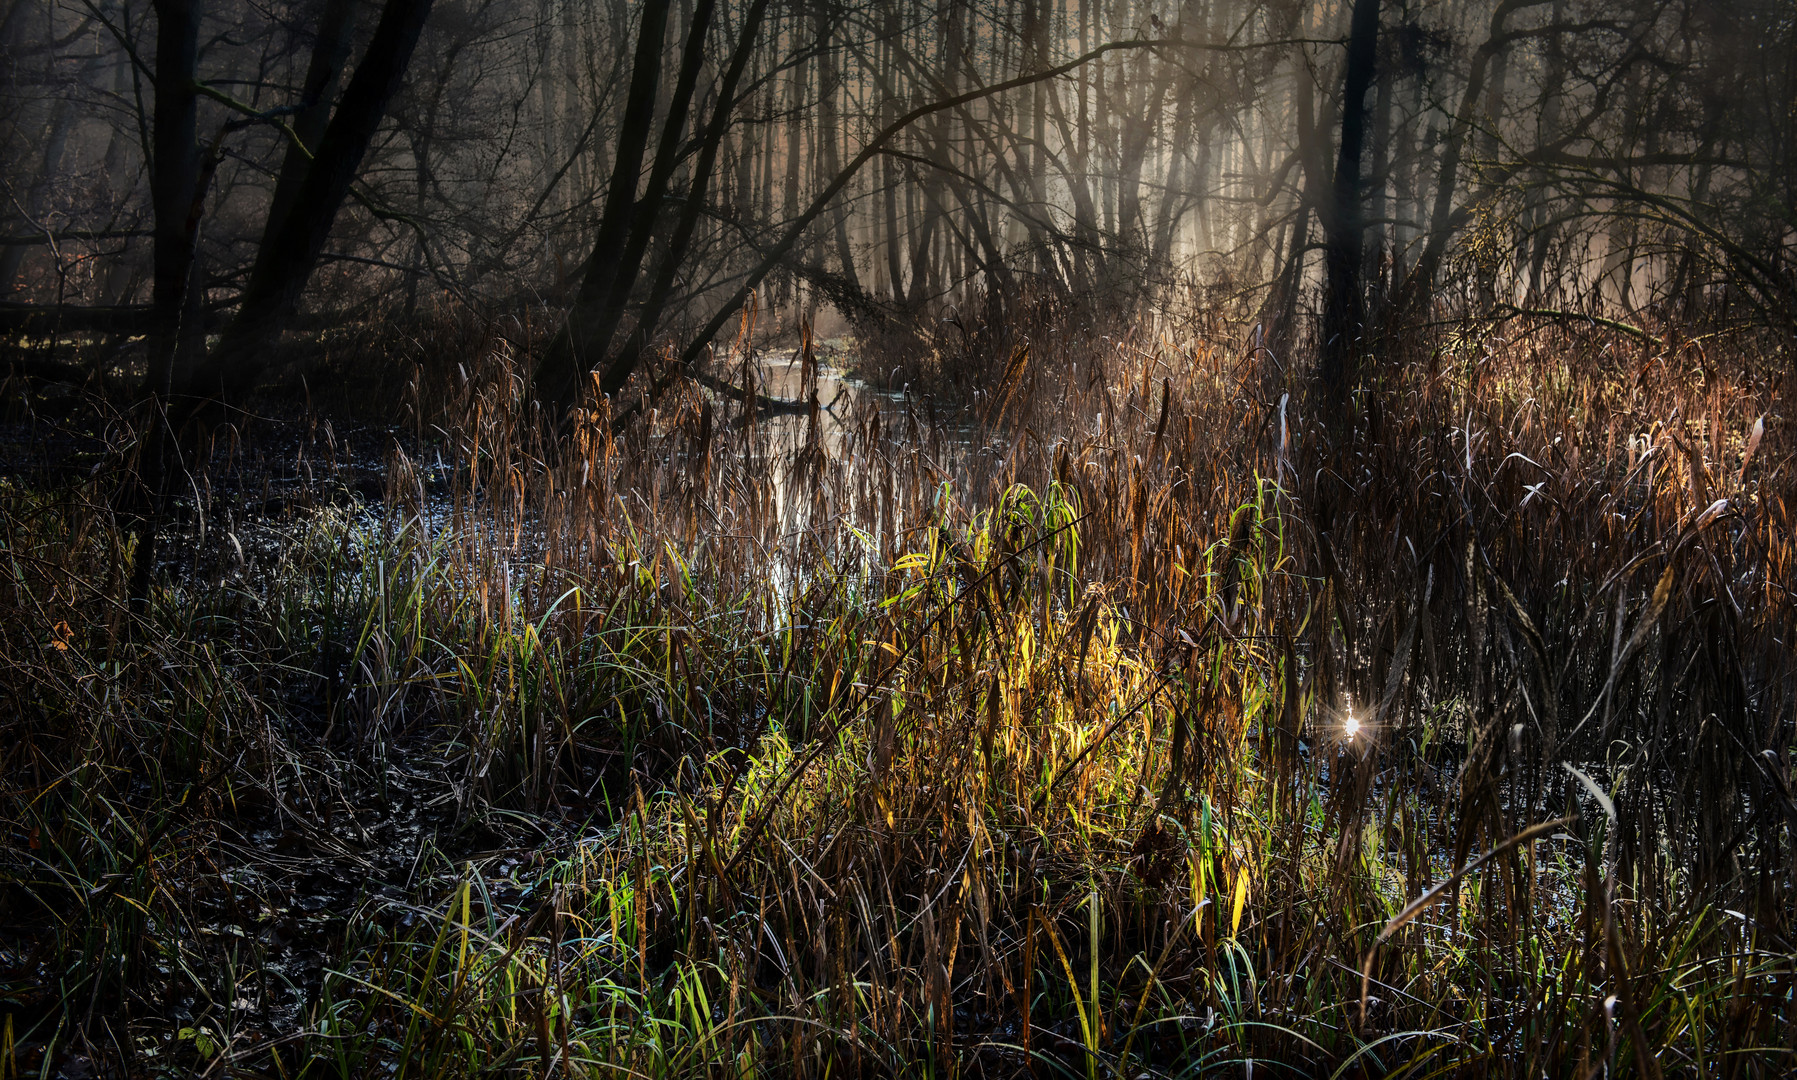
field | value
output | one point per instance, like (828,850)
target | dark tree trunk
(574,351)
(330,51)
(1490,144)
(889,183)
(643,218)
(789,189)
(1141,119)
(1344,298)
(1087,242)
(694,205)
(285,263)
(830,133)
(1547,128)
(175,173)
(174,198)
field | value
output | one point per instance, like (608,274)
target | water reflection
(821,464)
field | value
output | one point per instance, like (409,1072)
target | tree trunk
(1344,298)
(795,98)
(829,133)
(175,172)
(889,111)
(572,353)
(174,198)
(644,213)
(330,51)
(692,209)
(1413,296)
(285,263)
(1547,128)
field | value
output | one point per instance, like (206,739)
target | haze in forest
(646,165)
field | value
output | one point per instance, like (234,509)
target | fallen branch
(770,406)
(1512,312)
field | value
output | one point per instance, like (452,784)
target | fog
(645,167)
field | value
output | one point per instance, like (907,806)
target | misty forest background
(981,537)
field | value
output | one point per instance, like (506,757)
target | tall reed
(1002,739)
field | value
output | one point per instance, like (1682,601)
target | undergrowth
(1143,724)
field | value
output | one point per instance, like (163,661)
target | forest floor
(1122,719)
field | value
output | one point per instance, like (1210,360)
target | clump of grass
(1022,747)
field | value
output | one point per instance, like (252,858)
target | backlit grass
(1109,728)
